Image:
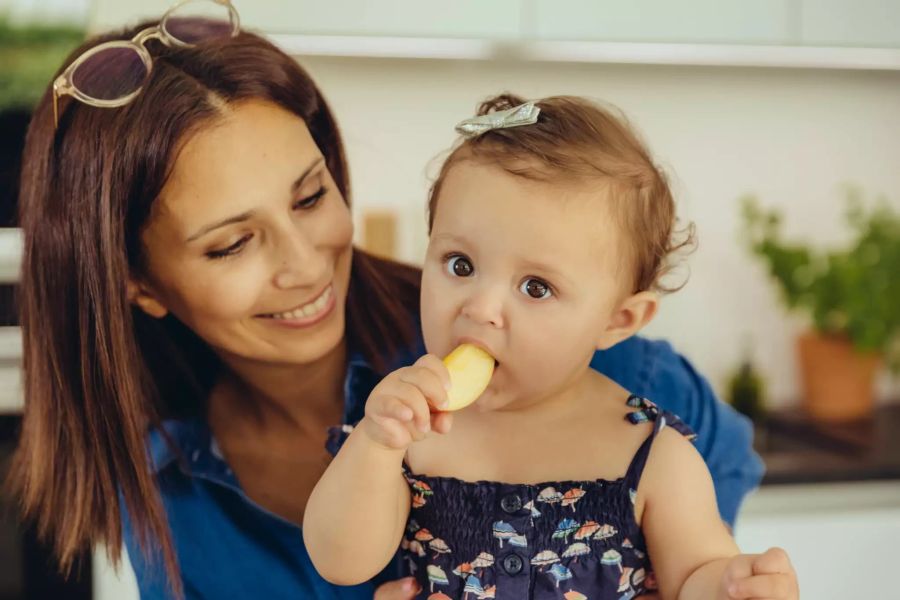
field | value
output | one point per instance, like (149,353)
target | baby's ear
(144,298)
(632,314)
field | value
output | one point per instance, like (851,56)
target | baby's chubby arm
(693,554)
(357,512)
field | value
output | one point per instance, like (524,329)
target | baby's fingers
(775,586)
(388,432)
(394,408)
(428,382)
(436,366)
(773,560)
(412,398)
(441,422)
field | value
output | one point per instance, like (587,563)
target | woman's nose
(485,307)
(298,263)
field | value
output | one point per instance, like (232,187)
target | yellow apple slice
(470,369)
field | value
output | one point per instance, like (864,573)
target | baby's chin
(492,400)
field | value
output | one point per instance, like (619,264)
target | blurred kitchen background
(773,118)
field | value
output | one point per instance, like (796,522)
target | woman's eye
(460,266)
(231,250)
(310,201)
(537,289)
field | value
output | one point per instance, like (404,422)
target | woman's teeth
(307,310)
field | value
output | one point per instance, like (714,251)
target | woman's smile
(305,314)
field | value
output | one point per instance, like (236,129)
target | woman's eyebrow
(296,185)
(227,221)
(246,215)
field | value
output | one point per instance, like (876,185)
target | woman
(189,272)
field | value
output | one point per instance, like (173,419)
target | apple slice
(470,369)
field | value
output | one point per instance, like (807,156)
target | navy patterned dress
(564,540)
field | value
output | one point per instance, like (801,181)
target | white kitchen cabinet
(690,21)
(850,23)
(831,34)
(497,19)
(860,23)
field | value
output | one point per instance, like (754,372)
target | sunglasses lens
(110,74)
(195,22)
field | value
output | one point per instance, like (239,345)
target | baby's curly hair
(575,138)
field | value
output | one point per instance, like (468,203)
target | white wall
(791,136)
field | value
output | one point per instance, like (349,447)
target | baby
(550,231)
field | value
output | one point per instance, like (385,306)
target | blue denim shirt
(230,547)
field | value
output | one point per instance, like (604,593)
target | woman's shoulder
(654,369)
(634,360)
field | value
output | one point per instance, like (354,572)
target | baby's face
(528,270)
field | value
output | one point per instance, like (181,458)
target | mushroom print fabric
(571,540)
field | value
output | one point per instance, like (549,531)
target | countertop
(797,449)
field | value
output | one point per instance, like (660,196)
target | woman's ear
(632,314)
(144,298)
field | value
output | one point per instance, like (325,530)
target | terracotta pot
(837,380)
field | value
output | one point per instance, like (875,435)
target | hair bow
(524,114)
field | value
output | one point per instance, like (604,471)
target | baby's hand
(767,576)
(398,411)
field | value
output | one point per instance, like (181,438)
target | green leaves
(852,291)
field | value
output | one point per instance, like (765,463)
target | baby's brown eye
(460,266)
(537,289)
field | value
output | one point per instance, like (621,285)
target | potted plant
(851,296)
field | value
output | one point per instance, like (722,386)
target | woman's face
(249,243)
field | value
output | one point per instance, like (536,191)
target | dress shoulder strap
(646,412)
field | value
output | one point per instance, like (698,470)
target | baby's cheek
(551,353)
(530,361)
(436,315)
(540,374)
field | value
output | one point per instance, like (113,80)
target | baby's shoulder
(673,463)
(609,408)
(603,435)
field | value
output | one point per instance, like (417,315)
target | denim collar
(194,449)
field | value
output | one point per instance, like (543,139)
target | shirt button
(513,564)
(511,504)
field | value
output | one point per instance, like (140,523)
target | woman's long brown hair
(98,374)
